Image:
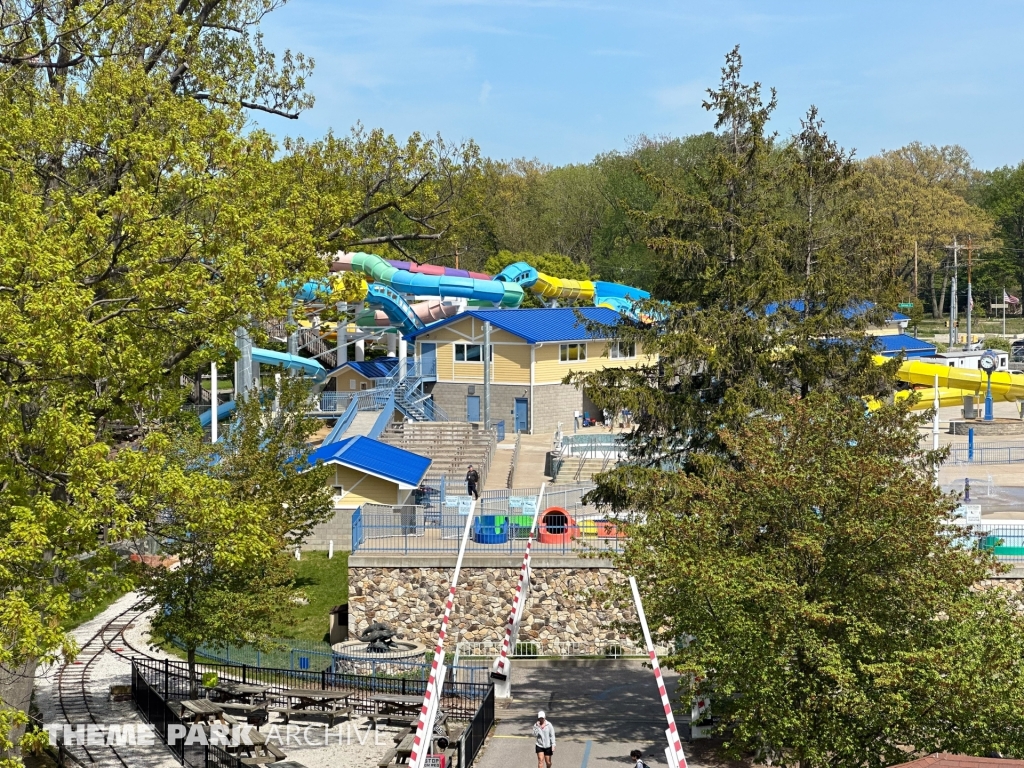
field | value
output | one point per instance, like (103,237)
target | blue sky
(564,80)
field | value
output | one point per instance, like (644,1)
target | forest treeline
(907,207)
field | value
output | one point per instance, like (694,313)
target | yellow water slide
(954,383)
(563,288)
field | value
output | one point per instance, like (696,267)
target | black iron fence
(155,684)
(156,710)
(476,732)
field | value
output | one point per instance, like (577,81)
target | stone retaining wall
(563,604)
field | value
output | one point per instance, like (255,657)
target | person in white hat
(544,732)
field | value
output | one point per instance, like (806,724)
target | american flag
(1008,299)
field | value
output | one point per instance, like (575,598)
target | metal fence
(562,649)
(169,681)
(1004,539)
(496,529)
(157,711)
(1009,452)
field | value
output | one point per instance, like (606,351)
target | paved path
(600,709)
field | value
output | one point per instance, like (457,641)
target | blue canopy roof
(379,368)
(537,325)
(375,458)
(890,346)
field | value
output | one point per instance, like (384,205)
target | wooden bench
(237,706)
(261,760)
(388,759)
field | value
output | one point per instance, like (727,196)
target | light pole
(989,362)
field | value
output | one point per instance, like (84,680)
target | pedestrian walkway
(601,709)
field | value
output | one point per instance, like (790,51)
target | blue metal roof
(379,368)
(537,325)
(377,458)
(797,305)
(890,346)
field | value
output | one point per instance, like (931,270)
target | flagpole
(1004,311)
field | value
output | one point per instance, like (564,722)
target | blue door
(428,360)
(522,414)
(472,408)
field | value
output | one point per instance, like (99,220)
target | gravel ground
(350,745)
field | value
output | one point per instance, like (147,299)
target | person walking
(544,733)
(638,759)
(472,482)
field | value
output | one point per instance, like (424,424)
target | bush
(526,649)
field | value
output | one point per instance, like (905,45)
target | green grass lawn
(325,583)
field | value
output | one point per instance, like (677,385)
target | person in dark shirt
(472,482)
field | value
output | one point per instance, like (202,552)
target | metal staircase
(410,397)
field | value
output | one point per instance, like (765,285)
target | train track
(77,702)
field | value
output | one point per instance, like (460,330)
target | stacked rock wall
(564,603)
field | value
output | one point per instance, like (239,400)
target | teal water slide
(278,360)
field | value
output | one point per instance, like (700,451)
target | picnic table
(258,749)
(232,690)
(312,701)
(387,704)
(203,710)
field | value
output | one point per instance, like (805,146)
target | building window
(470,353)
(570,353)
(622,350)
(351,383)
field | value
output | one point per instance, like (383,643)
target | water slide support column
(244,364)
(403,354)
(935,426)
(392,345)
(360,350)
(487,375)
(342,332)
(213,402)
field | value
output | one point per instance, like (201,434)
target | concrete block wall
(338,529)
(554,403)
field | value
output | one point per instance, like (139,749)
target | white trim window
(470,353)
(571,353)
(622,350)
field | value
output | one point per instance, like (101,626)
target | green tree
(1001,194)
(915,203)
(372,192)
(230,512)
(833,611)
(768,294)
(144,219)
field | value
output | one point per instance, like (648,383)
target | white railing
(563,649)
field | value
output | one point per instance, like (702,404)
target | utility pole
(952,298)
(915,271)
(970,297)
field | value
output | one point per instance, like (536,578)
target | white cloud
(485,92)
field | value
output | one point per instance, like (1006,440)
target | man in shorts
(544,733)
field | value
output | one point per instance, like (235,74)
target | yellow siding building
(532,351)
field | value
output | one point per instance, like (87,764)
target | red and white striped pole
(674,750)
(428,712)
(519,599)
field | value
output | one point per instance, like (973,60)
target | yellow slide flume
(954,383)
(563,288)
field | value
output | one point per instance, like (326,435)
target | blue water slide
(520,272)
(395,307)
(270,357)
(223,411)
(309,291)
(290,362)
(603,290)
